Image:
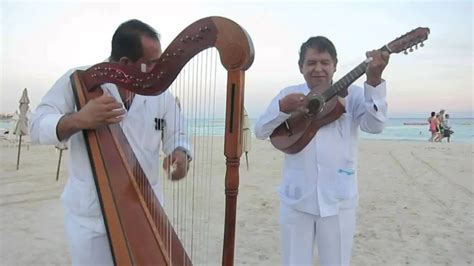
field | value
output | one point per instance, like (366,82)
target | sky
(41,40)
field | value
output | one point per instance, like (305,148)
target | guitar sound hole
(314,106)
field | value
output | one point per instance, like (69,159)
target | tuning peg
(411,49)
(405,52)
(416,46)
(421,44)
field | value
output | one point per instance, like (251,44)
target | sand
(416,205)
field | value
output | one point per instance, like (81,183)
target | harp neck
(234,46)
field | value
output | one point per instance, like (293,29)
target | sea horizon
(397,128)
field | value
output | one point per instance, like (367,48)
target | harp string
(213,86)
(190,180)
(203,104)
(196,64)
(209,142)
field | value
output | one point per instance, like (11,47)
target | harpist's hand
(177,163)
(100,111)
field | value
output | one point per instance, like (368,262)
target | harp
(140,228)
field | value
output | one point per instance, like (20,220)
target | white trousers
(333,235)
(87,247)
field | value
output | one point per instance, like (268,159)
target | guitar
(297,131)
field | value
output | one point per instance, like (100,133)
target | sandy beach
(416,205)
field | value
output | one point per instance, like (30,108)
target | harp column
(233,131)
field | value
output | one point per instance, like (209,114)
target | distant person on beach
(438,128)
(446,128)
(434,126)
(57,120)
(318,192)
(441,121)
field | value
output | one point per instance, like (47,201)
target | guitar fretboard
(348,79)
(345,81)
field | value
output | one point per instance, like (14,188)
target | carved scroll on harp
(140,229)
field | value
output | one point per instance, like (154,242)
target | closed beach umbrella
(21,128)
(13,122)
(246,137)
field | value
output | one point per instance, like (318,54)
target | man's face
(318,69)
(151,53)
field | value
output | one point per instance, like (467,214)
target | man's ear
(124,60)
(301,68)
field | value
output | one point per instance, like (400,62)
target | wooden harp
(138,227)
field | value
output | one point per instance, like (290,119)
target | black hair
(322,44)
(126,41)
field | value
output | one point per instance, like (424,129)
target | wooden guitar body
(292,136)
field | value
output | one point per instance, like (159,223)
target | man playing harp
(146,121)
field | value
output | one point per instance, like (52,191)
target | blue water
(5,124)
(395,129)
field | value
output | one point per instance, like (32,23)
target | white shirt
(80,195)
(322,177)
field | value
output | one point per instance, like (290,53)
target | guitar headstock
(408,41)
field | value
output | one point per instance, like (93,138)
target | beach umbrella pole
(18,157)
(247,160)
(21,127)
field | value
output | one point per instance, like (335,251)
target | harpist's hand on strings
(177,163)
(101,111)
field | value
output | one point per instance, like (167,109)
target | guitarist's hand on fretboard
(379,60)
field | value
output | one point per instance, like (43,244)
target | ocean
(396,129)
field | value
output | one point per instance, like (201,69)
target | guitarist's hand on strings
(376,66)
(295,102)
